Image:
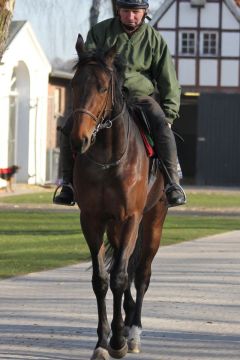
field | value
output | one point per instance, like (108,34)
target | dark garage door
(218,141)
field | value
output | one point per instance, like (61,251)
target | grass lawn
(35,198)
(31,241)
(206,199)
(210,200)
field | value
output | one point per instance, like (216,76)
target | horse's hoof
(134,346)
(118,354)
(100,354)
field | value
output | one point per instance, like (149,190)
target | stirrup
(69,185)
(173,186)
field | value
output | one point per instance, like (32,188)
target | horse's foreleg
(129,308)
(119,283)
(152,231)
(142,281)
(113,233)
(100,287)
(94,235)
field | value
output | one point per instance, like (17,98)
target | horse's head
(93,94)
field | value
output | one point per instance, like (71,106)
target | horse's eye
(103,90)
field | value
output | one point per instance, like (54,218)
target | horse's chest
(115,196)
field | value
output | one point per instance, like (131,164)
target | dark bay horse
(115,196)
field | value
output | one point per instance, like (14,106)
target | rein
(106,166)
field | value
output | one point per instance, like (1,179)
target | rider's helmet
(132,4)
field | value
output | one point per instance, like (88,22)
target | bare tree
(6,13)
(94,12)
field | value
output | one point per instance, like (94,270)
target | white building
(24,73)
(204,39)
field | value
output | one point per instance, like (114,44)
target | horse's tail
(136,255)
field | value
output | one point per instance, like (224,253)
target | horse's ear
(80,45)
(110,55)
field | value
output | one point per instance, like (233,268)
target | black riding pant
(163,137)
(66,155)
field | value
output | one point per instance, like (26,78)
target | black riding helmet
(132,4)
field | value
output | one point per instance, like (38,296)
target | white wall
(228,21)
(187,72)
(229,73)
(170,38)
(169,19)
(208,73)
(210,16)
(188,15)
(230,44)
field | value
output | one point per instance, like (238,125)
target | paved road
(191,311)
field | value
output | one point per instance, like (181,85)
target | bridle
(100,120)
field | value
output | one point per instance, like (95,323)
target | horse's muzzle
(80,145)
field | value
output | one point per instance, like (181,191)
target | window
(188,43)
(209,44)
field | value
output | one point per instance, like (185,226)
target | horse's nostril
(80,145)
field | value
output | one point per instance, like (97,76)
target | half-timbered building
(204,39)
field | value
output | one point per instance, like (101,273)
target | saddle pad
(148,146)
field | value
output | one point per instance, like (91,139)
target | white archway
(22,88)
(13,101)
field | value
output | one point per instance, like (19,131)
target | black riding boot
(66,195)
(165,147)
(167,155)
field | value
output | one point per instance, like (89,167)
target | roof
(14,28)
(237,2)
(61,74)
(233,5)
(20,26)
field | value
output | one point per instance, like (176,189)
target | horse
(115,197)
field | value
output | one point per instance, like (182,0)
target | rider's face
(131,18)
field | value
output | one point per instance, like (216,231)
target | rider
(148,66)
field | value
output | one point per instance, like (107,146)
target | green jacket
(148,62)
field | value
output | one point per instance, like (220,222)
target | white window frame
(202,43)
(181,45)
